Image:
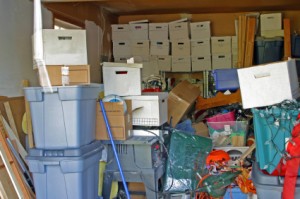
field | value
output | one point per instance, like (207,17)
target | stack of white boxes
(181,46)
(200,46)
(221,52)
(121,43)
(160,45)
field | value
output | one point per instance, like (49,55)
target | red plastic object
(151,90)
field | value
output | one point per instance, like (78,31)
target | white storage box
(139,31)
(270,21)
(63,174)
(121,49)
(122,79)
(179,30)
(64,47)
(201,63)
(158,31)
(200,47)
(164,63)
(149,109)
(200,30)
(221,45)
(181,64)
(181,47)
(220,61)
(120,31)
(160,47)
(140,48)
(65,118)
(268,84)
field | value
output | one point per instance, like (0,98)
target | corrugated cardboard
(180,99)
(220,61)
(271,21)
(200,30)
(221,45)
(164,63)
(201,129)
(139,31)
(140,47)
(181,63)
(201,63)
(158,31)
(122,48)
(120,31)
(181,48)
(200,47)
(119,121)
(161,47)
(179,30)
(268,84)
(79,74)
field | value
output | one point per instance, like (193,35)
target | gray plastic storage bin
(66,177)
(268,186)
(65,118)
(267,50)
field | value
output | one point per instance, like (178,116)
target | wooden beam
(251,26)
(11,120)
(287,38)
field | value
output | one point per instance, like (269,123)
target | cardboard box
(121,48)
(220,61)
(140,47)
(120,32)
(221,45)
(180,100)
(201,129)
(149,68)
(201,63)
(164,62)
(160,47)
(158,31)
(200,30)
(149,109)
(64,47)
(271,21)
(272,33)
(122,79)
(179,30)
(181,47)
(122,59)
(72,75)
(268,84)
(119,121)
(139,31)
(181,63)
(200,47)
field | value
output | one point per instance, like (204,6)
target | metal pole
(114,148)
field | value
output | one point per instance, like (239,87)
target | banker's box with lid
(122,79)
(66,173)
(65,118)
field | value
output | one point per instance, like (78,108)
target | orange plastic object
(219,100)
(217,156)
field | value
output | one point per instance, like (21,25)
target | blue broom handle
(114,148)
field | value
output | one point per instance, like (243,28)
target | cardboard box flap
(185,91)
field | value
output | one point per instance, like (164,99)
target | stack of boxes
(65,55)
(64,162)
(200,46)
(221,52)
(143,109)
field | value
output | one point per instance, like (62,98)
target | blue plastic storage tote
(226,79)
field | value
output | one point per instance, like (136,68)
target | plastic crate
(73,177)
(268,50)
(235,193)
(228,133)
(65,118)
(226,79)
(268,186)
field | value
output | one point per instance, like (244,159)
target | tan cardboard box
(180,100)
(119,121)
(78,74)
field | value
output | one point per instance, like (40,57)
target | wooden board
(11,120)
(250,36)
(6,183)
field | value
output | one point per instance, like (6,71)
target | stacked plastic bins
(65,162)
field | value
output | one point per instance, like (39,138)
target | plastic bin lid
(69,152)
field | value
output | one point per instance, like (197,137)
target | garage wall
(16,19)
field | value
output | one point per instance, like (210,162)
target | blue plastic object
(268,50)
(114,148)
(226,79)
(235,193)
(296,46)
